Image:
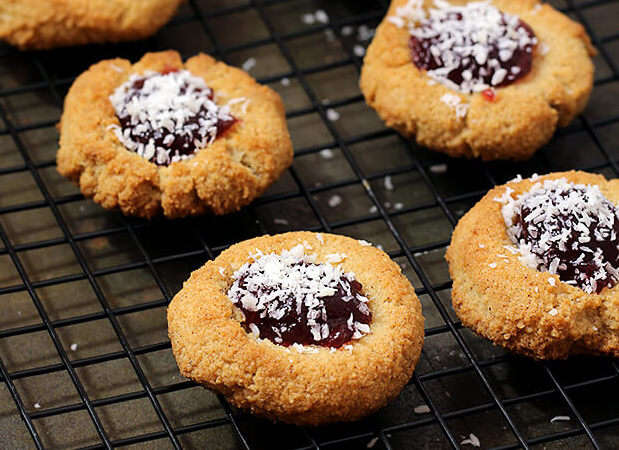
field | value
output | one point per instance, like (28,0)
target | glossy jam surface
(569,230)
(169,116)
(289,299)
(472,48)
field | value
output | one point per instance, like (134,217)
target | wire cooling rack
(84,356)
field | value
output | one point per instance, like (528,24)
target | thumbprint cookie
(535,266)
(44,24)
(163,137)
(488,79)
(306,328)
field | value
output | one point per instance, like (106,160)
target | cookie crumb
(421,409)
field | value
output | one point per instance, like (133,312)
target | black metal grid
(570,386)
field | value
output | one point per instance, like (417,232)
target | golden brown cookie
(246,146)
(353,367)
(529,280)
(489,119)
(43,24)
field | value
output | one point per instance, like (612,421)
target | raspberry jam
(291,300)
(168,116)
(473,47)
(569,230)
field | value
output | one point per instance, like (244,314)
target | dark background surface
(84,355)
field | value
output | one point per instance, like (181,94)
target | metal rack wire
(506,391)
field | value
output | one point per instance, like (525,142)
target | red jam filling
(300,302)
(473,47)
(572,231)
(168,116)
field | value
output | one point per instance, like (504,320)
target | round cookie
(221,177)
(504,122)
(498,290)
(301,384)
(44,24)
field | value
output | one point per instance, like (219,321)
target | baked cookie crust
(212,348)
(44,24)
(223,177)
(524,310)
(523,115)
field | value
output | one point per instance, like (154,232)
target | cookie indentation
(290,298)
(567,229)
(169,116)
(472,48)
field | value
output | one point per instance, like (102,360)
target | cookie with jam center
(535,266)
(165,137)
(44,24)
(478,79)
(306,328)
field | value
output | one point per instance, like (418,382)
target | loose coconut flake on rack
(293,300)
(565,229)
(168,117)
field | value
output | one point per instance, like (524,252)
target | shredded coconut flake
(455,103)
(560,419)
(358,50)
(73,347)
(421,409)
(333,115)
(335,201)
(327,153)
(249,64)
(438,168)
(372,442)
(472,440)
(553,312)
(388,183)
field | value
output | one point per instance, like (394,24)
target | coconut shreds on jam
(469,48)
(291,299)
(566,229)
(169,116)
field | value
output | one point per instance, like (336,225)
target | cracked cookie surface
(303,384)
(44,24)
(504,122)
(531,298)
(222,177)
